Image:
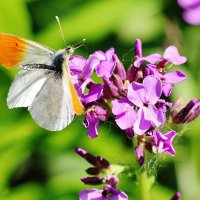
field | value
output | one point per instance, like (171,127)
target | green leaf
(14,18)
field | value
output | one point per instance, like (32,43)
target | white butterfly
(44,83)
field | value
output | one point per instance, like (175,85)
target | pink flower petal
(192,16)
(100,55)
(187,3)
(172,55)
(120,105)
(92,124)
(105,68)
(136,93)
(153,89)
(94,94)
(153,58)
(141,125)
(126,120)
(109,54)
(167,89)
(89,67)
(174,77)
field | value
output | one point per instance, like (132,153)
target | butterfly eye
(69,50)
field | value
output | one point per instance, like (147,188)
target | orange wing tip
(12,50)
(78,106)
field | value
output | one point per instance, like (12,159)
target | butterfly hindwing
(25,87)
(52,108)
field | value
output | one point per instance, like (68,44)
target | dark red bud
(176,196)
(92,180)
(93,171)
(187,114)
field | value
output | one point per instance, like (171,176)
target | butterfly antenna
(61,31)
(79,44)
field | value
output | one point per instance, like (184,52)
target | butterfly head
(69,50)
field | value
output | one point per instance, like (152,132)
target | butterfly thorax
(61,60)
(58,61)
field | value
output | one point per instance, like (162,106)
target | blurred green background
(39,165)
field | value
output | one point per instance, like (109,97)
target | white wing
(37,54)
(52,108)
(25,87)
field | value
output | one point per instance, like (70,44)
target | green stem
(144,181)
(143,185)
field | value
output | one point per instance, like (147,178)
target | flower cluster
(191,12)
(136,97)
(109,177)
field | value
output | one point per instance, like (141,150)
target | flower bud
(187,114)
(119,68)
(176,196)
(130,133)
(90,158)
(111,88)
(176,106)
(138,48)
(93,170)
(139,152)
(149,144)
(112,180)
(134,74)
(100,113)
(92,180)
(193,113)
(117,81)
(96,161)
(109,191)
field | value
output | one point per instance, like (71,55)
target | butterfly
(44,83)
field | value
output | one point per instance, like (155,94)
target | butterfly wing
(25,87)
(52,108)
(16,51)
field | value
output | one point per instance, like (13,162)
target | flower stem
(144,185)
(144,181)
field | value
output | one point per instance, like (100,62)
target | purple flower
(76,64)
(92,124)
(191,11)
(81,73)
(145,96)
(104,63)
(92,118)
(135,73)
(110,89)
(167,79)
(95,113)
(94,94)
(171,55)
(108,193)
(164,142)
(125,114)
(153,58)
